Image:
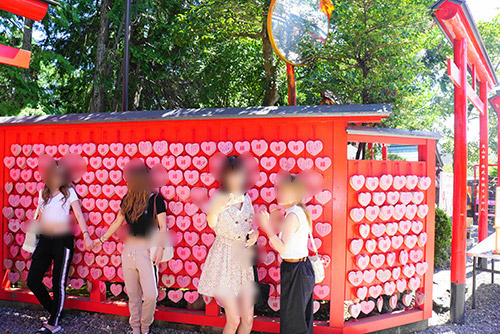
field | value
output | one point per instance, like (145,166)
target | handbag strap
(155,213)
(312,241)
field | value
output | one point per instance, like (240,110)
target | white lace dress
(228,266)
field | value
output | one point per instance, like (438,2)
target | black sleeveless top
(144,224)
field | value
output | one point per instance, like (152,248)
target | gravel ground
(15,320)
(485,318)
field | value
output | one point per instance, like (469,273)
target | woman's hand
(264,221)
(95,243)
(89,243)
(158,255)
(252,238)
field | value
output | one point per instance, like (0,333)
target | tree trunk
(271,90)
(27,33)
(27,36)
(98,101)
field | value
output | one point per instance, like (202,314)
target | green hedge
(442,240)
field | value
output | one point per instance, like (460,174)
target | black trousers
(297,284)
(58,249)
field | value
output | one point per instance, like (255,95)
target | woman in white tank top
(297,274)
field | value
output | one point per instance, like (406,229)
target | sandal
(45,330)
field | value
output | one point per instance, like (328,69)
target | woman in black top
(145,213)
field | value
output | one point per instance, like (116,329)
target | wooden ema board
(184,147)
(389,254)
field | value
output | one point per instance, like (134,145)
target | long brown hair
(64,188)
(138,193)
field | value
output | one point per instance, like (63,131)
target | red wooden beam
(171,314)
(385,139)
(14,57)
(375,323)
(455,25)
(474,99)
(454,74)
(31,9)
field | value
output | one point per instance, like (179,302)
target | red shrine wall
(184,147)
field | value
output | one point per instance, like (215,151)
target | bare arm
(162,223)
(115,225)
(291,226)
(77,210)
(217,206)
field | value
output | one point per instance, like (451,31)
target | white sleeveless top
(297,245)
(56,210)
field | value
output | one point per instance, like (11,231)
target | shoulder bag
(317,262)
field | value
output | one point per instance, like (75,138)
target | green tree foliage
(442,239)
(490,33)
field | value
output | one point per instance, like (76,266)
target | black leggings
(60,250)
(297,284)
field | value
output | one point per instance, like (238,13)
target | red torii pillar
(455,20)
(457,71)
(483,163)
(495,103)
(458,240)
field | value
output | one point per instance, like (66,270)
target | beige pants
(141,281)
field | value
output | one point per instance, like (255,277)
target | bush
(442,239)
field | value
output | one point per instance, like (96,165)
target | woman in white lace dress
(227,273)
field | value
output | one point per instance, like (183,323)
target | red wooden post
(3,199)
(384,152)
(495,102)
(458,243)
(483,163)
(429,156)
(290,74)
(212,308)
(338,266)
(96,295)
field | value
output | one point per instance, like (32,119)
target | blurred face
(235,181)
(57,176)
(288,193)
(139,180)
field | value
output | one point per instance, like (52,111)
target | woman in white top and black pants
(55,242)
(297,274)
